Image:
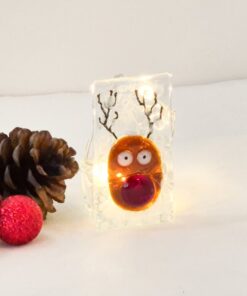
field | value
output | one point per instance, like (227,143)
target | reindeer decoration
(134,162)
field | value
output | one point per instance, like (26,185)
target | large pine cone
(35,164)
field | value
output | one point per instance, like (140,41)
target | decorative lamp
(127,169)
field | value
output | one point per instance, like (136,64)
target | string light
(147,92)
(100,173)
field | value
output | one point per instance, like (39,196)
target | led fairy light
(100,173)
(147,92)
(129,180)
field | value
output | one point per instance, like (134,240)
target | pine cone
(35,164)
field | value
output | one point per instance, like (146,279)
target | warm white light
(100,173)
(119,175)
(147,92)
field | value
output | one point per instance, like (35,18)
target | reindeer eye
(144,157)
(125,158)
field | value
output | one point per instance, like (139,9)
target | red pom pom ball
(21,220)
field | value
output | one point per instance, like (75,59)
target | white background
(61,45)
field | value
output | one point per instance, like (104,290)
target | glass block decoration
(127,169)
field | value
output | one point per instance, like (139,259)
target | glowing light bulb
(147,92)
(123,179)
(100,173)
(120,176)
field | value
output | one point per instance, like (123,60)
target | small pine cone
(35,164)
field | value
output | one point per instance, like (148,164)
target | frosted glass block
(127,169)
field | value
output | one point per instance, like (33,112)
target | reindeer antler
(148,112)
(106,111)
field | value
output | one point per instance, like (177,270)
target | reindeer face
(135,174)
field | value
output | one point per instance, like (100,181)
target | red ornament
(137,190)
(21,220)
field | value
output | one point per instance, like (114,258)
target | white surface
(61,45)
(202,253)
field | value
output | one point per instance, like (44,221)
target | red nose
(137,190)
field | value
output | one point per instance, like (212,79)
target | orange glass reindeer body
(134,163)
(134,172)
